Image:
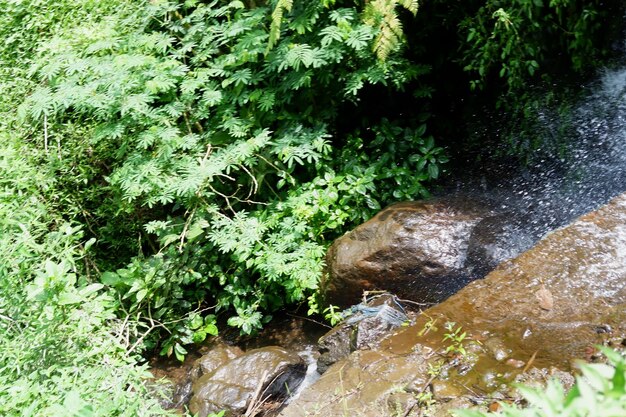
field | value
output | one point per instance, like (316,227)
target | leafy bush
(170,160)
(58,352)
(215,144)
(535,53)
(514,37)
(63,351)
(209,148)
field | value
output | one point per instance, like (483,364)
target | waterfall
(551,193)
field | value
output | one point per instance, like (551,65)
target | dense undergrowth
(166,162)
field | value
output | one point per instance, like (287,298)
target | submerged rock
(545,308)
(365,384)
(256,374)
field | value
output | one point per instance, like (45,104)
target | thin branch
(227,198)
(530,361)
(45,132)
(416,303)
(155,324)
(185,116)
(7,318)
(309,319)
(252,407)
(185,228)
(255,188)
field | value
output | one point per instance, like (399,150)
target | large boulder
(533,315)
(417,250)
(256,374)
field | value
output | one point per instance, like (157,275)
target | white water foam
(311,376)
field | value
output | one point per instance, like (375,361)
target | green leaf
(90,289)
(110,278)
(141,294)
(619,379)
(180,352)
(211,329)
(67,298)
(195,322)
(433,171)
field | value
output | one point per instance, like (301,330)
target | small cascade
(309,354)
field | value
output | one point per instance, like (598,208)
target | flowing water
(310,355)
(550,193)
(537,313)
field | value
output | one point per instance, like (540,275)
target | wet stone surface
(366,326)
(266,372)
(527,321)
(424,250)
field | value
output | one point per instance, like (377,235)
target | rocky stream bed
(399,353)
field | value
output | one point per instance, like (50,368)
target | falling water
(311,375)
(551,193)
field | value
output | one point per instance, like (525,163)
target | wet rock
(402,402)
(496,239)
(497,348)
(337,344)
(181,378)
(445,390)
(367,325)
(444,409)
(416,250)
(177,379)
(232,386)
(215,358)
(182,394)
(538,379)
(583,266)
(364,383)
(514,363)
(164,391)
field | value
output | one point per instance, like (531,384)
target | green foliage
(58,355)
(164,162)
(396,162)
(277,20)
(599,392)
(208,146)
(456,337)
(221,149)
(511,46)
(334,314)
(514,37)
(63,350)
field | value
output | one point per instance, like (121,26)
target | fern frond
(277,21)
(410,5)
(382,14)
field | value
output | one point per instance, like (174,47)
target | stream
(548,196)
